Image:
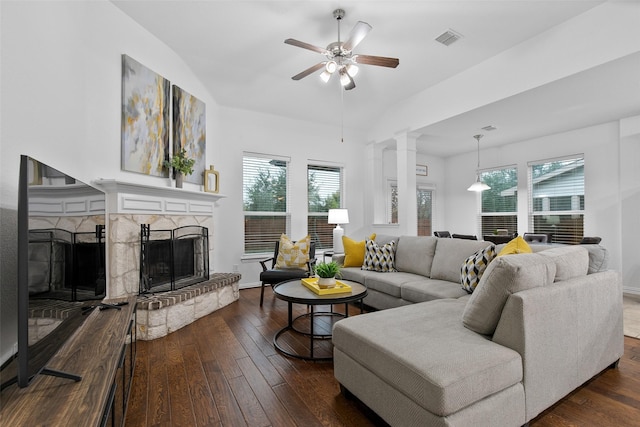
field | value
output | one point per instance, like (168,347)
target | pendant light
(478,186)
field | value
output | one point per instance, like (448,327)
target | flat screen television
(61,265)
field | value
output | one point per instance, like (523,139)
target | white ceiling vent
(448,37)
(489,128)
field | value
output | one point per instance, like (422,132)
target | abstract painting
(145,119)
(190,131)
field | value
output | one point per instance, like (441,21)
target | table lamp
(338,216)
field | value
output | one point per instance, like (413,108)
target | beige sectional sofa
(536,327)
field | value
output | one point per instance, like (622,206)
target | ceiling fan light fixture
(344,77)
(325,76)
(339,55)
(352,70)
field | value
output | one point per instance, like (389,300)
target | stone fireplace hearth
(129,206)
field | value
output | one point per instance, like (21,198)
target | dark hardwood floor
(222,370)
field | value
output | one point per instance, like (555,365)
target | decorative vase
(326,282)
(179,180)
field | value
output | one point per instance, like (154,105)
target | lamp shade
(338,216)
(478,186)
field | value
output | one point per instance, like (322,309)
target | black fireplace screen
(65,265)
(173,259)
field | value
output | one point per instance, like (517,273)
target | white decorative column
(376,211)
(406,161)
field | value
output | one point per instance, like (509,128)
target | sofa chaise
(537,326)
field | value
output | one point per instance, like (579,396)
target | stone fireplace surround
(132,204)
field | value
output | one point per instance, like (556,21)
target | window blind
(265,188)
(324,192)
(499,205)
(556,198)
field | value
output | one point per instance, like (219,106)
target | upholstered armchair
(536,238)
(271,275)
(464,236)
(442,234)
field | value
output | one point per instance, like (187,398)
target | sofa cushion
(449,256)
(381,239)
(424,352)
(504,276)
(430,289)
(390,283)
(293,255)
(598,258)
(598,255)
(354,251)
(516,246)
(379,257)
(356,274)
(474,266)
(414,254)
(571,261)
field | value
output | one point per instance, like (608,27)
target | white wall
(61,104)
(61,99)
(245,131)
(61,95)
(608,170)
(576,45)
(435,178)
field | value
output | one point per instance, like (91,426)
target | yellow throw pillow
(293,255)
(354,251)
(516,246)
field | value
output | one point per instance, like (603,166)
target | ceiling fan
(340,56)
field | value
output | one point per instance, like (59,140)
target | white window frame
(419,186)
(482,214)
(574,212)
(320,164)
(286,214)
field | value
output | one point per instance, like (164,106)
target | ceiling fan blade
(298,43)
(359,32)
(351,84)
(381,61)
(308,71)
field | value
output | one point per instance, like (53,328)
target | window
(324,192)
(424,202)
(556,198)
(499,207)
(265,199)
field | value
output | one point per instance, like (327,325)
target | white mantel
(136,198)
(130,204)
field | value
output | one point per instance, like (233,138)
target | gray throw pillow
(504,276)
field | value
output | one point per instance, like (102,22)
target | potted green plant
(327,273)
(181,164)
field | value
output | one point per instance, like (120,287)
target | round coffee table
(295,292)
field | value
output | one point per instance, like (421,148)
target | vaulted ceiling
(236,48)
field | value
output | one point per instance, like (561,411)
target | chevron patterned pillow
(474,266)
(379,258)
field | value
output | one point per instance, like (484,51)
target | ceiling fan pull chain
(341,112)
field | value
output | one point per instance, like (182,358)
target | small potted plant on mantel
(181,164)
(327,273)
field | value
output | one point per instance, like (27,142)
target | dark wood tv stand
(102,351)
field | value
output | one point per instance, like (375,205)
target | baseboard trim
(249,285)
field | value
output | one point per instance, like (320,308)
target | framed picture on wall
(190,131)
(145,119)
(422,170)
